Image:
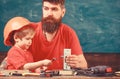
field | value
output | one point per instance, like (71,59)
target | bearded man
(52,37)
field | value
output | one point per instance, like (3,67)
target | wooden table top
(59,77)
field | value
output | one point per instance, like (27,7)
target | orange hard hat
(14,24)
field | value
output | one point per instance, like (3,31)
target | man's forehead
(48,4)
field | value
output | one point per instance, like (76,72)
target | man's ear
(64,11)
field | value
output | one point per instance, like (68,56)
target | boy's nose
(30,42)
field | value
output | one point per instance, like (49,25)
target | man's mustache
(49,19)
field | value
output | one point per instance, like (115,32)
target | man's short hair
(61,2)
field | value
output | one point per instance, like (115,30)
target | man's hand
(76,61)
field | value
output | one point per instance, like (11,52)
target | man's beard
(50,24)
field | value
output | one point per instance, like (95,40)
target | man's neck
(49,36)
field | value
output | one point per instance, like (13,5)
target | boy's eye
(27,38)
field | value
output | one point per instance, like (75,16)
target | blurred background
(96,22)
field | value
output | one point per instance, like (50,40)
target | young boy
(18,33)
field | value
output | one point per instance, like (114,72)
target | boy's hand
(46,62)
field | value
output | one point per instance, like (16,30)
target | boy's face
(25,42)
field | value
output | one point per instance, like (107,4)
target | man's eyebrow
(44,6)
(51,7)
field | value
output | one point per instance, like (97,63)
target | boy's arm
(34,65)
(3,64)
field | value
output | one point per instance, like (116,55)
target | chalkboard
(96,22)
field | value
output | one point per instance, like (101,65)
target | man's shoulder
(66,27)
(38,23)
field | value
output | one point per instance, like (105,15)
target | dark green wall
(97,22)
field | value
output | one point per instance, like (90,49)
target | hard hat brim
(7,40)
